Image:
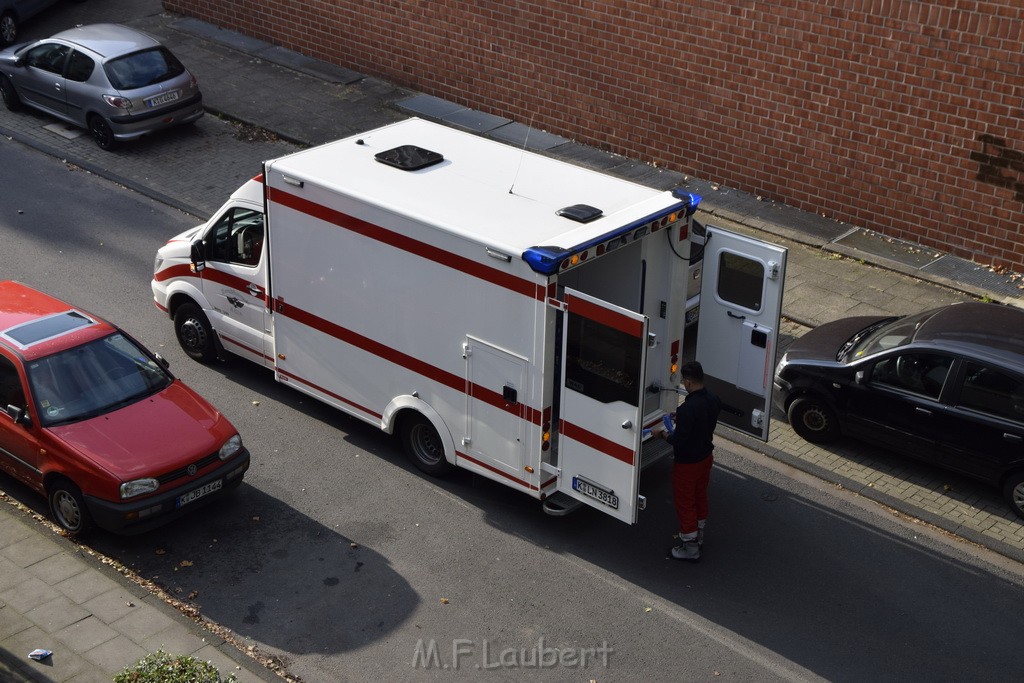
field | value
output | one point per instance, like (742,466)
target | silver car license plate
(162,99)
(203,490)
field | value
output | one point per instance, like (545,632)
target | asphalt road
(347,563)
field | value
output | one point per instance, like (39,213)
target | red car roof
(34,324)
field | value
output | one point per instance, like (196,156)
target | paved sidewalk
(56,596)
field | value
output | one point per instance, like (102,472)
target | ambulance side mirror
(198,256)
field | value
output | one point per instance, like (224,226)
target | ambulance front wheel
(423,445)
(195,333)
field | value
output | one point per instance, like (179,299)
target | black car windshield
(896,333)
(140,69)
(93,379)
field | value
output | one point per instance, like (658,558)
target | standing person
(692,445)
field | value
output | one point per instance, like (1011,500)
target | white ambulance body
(500,310)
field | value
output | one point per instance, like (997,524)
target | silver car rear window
(140,69)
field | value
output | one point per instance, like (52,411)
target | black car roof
(993,327)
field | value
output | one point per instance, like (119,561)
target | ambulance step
(654,450)
(558,504)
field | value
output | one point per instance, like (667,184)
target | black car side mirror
(198,256)
(19,415)
(859,377)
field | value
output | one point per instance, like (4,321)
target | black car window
(992,391)
(140,69)
(919,373)
(11,393)
(48,57)
(237,237)
(80,66)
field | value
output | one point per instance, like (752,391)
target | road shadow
(265,571)
(271,574)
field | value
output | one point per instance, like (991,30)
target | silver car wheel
(8,29)
(68,507)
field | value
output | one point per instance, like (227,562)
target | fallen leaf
(193,595)
(185,563)
(353,545)
(444,601)
(160,551)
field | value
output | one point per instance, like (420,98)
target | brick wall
(902,116)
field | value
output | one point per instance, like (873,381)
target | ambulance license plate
(203,490)
(595,492)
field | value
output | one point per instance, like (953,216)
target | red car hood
(155,435)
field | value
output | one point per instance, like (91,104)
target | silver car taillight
(118,101)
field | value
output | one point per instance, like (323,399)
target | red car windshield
(93,379)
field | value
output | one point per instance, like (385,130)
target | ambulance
(497,309)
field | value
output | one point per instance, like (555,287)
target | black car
(945,386)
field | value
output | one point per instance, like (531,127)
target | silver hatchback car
(114,81)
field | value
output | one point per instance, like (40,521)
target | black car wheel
(813,420)
(195,335)
(1013,491)
(10,95)
(423,445)
(68,507)
(101,132)
(8,29)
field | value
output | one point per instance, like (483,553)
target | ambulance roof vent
(581,213)
(409,157)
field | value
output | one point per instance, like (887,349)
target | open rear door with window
(604,351)
(740,308)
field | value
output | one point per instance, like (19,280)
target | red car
(94,421)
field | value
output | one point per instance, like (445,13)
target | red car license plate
(203,490)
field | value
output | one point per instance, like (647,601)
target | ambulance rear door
(737,336)
(604,355)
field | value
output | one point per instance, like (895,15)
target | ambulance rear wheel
(195,335)
(423,445)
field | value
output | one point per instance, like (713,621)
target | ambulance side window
(237,237)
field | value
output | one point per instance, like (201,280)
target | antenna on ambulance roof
(522,155)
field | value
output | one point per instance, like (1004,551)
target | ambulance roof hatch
(409,157)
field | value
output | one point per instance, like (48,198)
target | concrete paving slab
(520,135)
(28,550)
(85,587)
(86,634)
(56,613)
(59,567)
(115,654)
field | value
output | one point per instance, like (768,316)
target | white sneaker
(688,551)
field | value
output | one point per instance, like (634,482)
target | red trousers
(690,490)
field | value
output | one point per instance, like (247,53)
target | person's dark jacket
(696,417)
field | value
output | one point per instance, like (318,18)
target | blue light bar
(693,199)
(548,259)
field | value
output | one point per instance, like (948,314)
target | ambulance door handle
(627,425)
(255,290)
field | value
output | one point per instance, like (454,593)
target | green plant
(161,667)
